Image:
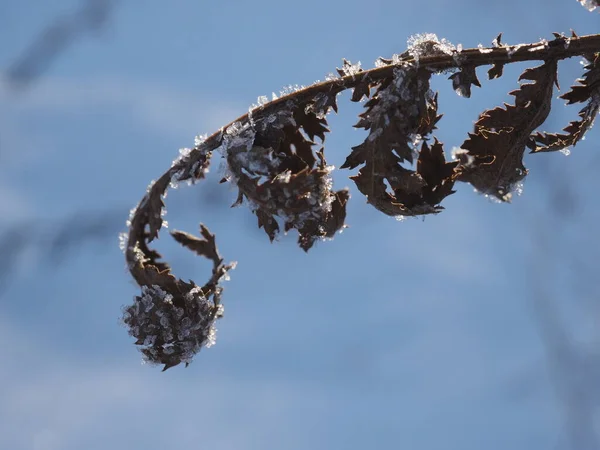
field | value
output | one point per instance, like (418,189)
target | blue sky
(421,334)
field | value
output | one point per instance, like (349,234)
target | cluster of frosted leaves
(171,330)
(491,158)
(277,171)
(399,115)
(172,319)
(588,92)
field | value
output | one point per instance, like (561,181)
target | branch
(271,158)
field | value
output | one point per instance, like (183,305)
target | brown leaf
(463,79)
(496,71)
(575,131)
(588,84)
(492,162)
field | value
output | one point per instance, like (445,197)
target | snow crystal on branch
(428,44)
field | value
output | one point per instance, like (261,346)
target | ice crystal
(482,49)
(290,89)
(428,44)
(132,212)
(590,5)
(351,69)
(511,50)
(123,239)
(262,100)
(199,140)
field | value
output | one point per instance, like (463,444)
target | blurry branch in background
(53,243)
(55,39)
(574,369)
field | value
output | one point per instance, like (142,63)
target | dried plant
(275,157)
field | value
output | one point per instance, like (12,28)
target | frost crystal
(428,44)
(542,46)
(261,100)
(484,50)
(183,154)
(511,50)
(290,89)
(462,155)
(123,238)
(199,140)
(590,5)
(351,69)
(132,212)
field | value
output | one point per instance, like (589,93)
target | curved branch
(173,319)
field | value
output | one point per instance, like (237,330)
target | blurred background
(475,329)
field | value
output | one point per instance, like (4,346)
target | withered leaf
(575,131)
(494,151)
(401,108)
(154,206)
(588,85)
(402,112)
(268,222)
(436,172)
(362,89)
(203,247)
(496,71)
(463,79)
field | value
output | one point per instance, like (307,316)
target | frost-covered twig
(280,168)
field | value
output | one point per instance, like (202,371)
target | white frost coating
(183,154)
(285,177)
(199,139)
(518,188)
(290,89)
(460,154)
(262,100)
(132,212)
(590,5)
(331,76)
(484,50)
(511,50)
(428,44)
(238,135)
(542,46)
(123,239)
(163,213)
(274,96)
(566,151)
(351,69)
